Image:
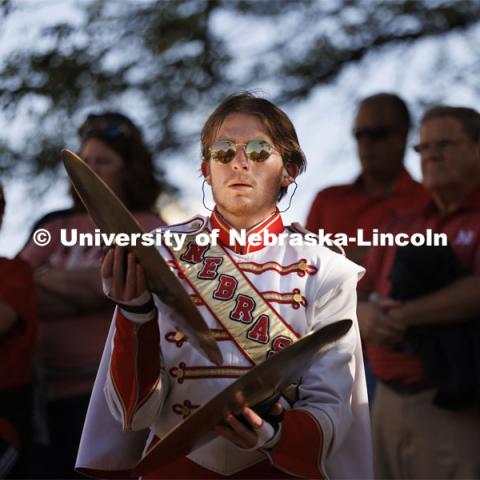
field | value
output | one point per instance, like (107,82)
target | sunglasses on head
(107,126)
(372,133)
(256,150)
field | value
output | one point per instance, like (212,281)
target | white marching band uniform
(308,287)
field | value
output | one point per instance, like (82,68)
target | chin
(238,207)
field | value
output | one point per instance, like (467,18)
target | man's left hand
(262,433)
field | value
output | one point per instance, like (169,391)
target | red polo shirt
(346,208)
(463,231)
(17,290)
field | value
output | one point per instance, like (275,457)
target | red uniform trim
(301,268)
(299,450)
(273,225)
(183,372)
(134,372)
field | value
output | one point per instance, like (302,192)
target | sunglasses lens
(223,151)
(258,150)
(372,133)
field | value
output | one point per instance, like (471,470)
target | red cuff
(135,366)
(299,450)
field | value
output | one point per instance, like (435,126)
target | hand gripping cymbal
(111,216)
(258,384)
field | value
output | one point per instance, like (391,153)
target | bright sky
(323,124)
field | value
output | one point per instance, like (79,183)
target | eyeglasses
(374,134)
(256,150)
(108,125)
(439,145)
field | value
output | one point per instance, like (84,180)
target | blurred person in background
(423,425)
(74,314)
(18,325)
(381,131)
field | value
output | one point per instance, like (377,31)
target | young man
(255,298)
(413,437)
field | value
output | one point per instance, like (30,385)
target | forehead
(95,146)
(241,127)
(441,127)
(376,114)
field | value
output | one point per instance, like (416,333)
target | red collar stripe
(272,225)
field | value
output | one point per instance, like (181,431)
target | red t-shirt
(17,290)
(347,208)
(72,343)
(463,231)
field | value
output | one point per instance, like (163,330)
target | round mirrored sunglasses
(224,151)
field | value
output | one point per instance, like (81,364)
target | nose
(240,160)
(94,165)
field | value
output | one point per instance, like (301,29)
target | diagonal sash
(256,328)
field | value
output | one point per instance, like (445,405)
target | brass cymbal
(273,375)
(111,216)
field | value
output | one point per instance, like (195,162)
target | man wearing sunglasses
(423,427)
(155,379)
(381,130)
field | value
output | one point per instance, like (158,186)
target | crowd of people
(414,344)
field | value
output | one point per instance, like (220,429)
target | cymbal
(111,216)
(274,374)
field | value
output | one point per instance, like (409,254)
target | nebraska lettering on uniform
(194,253)
(250,319)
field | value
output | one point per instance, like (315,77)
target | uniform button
(179,336)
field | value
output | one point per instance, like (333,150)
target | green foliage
(173,60)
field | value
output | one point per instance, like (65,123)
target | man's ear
(289,173)
(206,171)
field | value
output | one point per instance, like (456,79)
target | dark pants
(16,406)
(65,424)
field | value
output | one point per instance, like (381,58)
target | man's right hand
(127,289)
(123,286)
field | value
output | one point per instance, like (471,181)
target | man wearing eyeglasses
(381,130)
(424,428)
(155,378)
